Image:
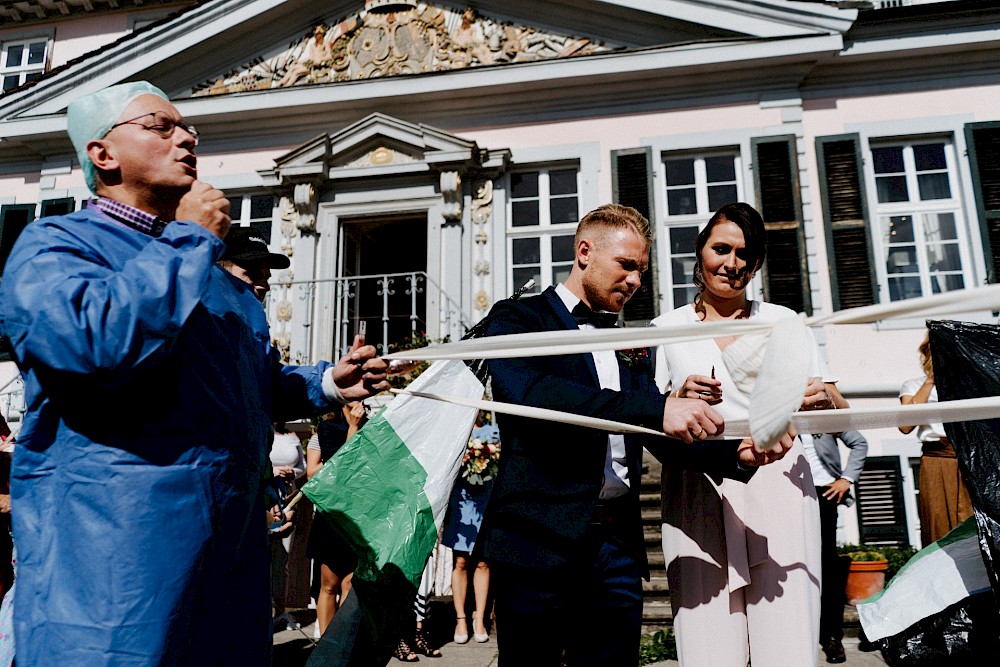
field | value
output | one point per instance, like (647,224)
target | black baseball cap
(245,244)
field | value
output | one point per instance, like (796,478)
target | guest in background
(943,501)
(743,560)
(422,609)
(6,541)
(288,554)
(8,552)
(461,528)
(336,559)
(833,488)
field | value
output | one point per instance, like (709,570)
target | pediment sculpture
(398,38)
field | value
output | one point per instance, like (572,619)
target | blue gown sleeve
(65,308)
(298,390)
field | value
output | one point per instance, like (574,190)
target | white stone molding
(305,207)
(451,195)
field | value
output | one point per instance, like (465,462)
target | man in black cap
(248,258)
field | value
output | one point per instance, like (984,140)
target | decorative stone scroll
(305,207)
(451,194)
(397,38)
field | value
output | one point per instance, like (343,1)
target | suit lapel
(568,323)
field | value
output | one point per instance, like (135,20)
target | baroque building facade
(418,161)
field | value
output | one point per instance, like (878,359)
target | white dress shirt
(616,481)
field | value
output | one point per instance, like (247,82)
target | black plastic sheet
(966,360)
(963,635)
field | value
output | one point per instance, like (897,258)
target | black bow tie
(600,319)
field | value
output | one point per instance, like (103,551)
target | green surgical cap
(91,117)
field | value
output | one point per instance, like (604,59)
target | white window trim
(952,126)
(956,204)
(544,230)
(744,192)
(25,40)
(243,219)
(700,182)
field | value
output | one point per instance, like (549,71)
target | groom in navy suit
(562,532)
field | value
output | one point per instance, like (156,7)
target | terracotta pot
(865,579)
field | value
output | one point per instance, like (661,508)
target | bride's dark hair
(749,221)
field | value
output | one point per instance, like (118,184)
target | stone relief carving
(482,301)
(381,155)
(289,212)
(482,211)
(284,346)
(397,38)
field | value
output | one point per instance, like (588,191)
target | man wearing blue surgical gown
(151,386)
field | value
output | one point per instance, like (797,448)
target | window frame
(916,208)
(545,230)
(666,222)
(23,70)
(244,219)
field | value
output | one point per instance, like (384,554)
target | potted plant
(866,576)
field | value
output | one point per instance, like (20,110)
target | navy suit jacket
(551,474)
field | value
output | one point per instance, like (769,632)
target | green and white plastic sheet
(938,576)
(386,490)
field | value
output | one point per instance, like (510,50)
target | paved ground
(291,649)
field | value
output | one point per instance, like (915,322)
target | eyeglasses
(163,125)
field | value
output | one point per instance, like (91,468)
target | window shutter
(881,514)
(633,186)
(13,219)
(983,141)
(786,276)
(849,246)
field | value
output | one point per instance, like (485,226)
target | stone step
(657,615)
(649,498)
(656,586)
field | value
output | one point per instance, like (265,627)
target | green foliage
(897,557)
(865,555)
(657,647)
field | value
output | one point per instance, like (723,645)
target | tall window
(696,187)
(253,211)
(22,61)
(544,212)
(919,218)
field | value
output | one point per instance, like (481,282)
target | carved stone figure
(469,42)
(392,39)
(316,55)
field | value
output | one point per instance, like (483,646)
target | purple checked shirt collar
(130,216)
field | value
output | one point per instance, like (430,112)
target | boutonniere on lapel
(635,357)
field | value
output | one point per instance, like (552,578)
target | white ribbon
(546,343)
(813,421)
(780,380)
(534,413)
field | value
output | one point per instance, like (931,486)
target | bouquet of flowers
(480,463)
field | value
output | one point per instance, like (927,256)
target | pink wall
(80,36)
